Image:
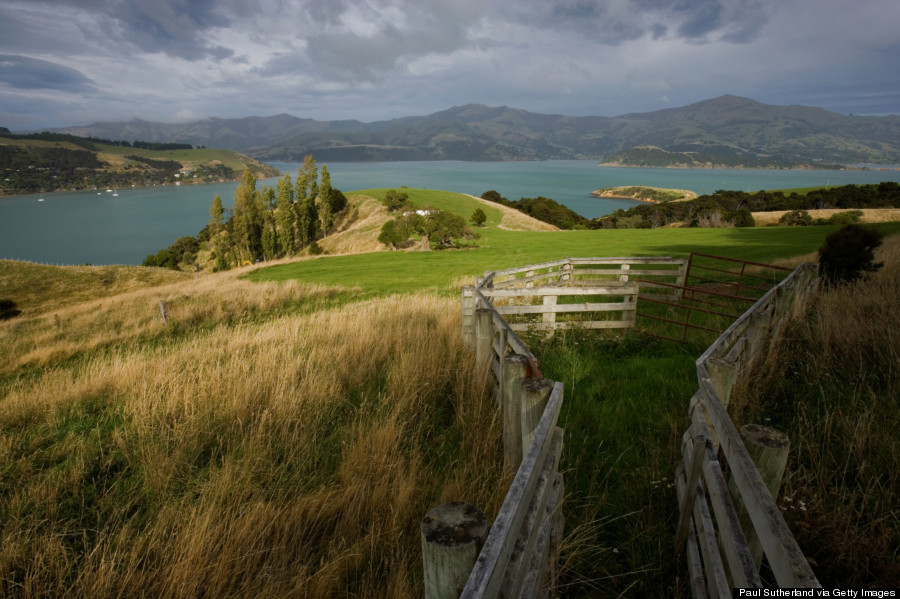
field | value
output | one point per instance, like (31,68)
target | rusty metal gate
(716,290)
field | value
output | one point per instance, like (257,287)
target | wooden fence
(726,526)
(517,558)
(563,294)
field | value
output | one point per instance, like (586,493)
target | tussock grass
(257,451)
(356,229)
(832,384)
(38,288)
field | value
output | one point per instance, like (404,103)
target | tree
(744,218)
(285,216)
(247,220)
(307,179)
(395,200)
(441,229)
(478,217)
(848,254)
(325,192)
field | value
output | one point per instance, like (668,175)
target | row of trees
(263,224)
(272,223)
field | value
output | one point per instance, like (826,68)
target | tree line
(719,209)
(90,142)
(263,224)
(734,208)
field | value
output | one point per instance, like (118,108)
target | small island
(642,193)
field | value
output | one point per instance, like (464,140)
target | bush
(744,218)
(8,309)
(848,254)
(478,217)
(796,218)
(851,217)
(395,200)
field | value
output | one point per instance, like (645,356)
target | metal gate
(715,292)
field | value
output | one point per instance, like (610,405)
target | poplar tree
(246,218)
(284,215)
(325,192)
(216,233)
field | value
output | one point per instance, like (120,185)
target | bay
(95,227)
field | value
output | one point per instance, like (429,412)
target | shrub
(744,218)
(851,217)
(478,217)
(796,218)
(848,254)
(8,309)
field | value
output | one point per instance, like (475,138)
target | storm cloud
(377,59)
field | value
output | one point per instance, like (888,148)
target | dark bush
(8,309)
(848,254)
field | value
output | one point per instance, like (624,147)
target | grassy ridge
(255,445)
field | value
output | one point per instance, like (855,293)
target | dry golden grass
(832,383)
(513,220)
(292,457)
(38,288)
(356,229)
(870,215)
(131,317)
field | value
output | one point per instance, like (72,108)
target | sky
(75,62)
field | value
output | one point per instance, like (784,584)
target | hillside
(30,165)
(724,129)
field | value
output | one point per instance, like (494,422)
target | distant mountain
(723,130)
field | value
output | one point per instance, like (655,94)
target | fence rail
(726,526)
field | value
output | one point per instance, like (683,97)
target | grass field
(399,272)
(287,428)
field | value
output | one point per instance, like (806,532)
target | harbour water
(95,227)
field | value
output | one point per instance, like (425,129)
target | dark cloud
(22,72)
(173,27)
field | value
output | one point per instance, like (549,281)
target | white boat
(108,190)
(40,199)
(115,193)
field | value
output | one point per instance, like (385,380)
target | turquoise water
(80,227)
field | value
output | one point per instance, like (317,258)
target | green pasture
(382,273)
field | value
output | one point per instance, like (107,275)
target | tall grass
(291,456)
(624,412)
(832,383)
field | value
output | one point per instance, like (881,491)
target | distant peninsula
(45,162)
(642,193)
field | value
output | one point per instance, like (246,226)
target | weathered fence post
(535,393)
(722,375)
(484,335)
(624,276)
(452,536)
(163,311)
(549,316)
(514,370)
(468,315)
(769,450)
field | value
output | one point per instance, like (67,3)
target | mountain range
(733,128)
